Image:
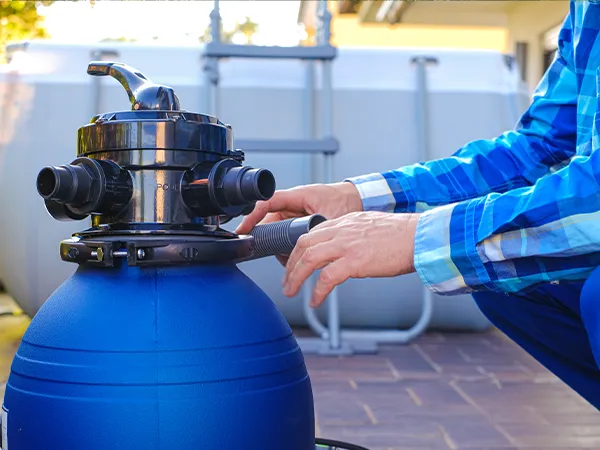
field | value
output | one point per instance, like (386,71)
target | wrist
(351,196)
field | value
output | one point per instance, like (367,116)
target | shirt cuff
(385,192)
(446,253)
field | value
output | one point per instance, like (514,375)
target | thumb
(288,200)
(248,222)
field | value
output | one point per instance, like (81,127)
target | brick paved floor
(449,391)
(444,391)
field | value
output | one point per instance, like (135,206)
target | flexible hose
(338,445)
(280,238)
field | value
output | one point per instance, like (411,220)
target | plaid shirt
(522,209)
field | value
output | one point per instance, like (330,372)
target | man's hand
(357,245)
(329,200)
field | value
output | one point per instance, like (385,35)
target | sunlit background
(524,28)
(457,382)
(185,22)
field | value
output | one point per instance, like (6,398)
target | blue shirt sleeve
(543,141)
(507,213)
(509,242)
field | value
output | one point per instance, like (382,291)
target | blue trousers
(557,324)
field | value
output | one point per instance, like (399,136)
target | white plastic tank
(46,95)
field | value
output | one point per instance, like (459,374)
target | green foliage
(247,28)
(20,20)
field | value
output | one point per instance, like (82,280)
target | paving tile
(406,360)
(522,415)
(413,446)
(551,437)
(390,402)
(383,437)
(446,359)
(558,442)
(589,417)
(362,363)
(356,375)
(474,432)
(321,386)
(522,396)
(523,430)
(438,395)
(365,367)
(546,448)
(342,411)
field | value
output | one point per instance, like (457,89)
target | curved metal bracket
(142,93)
(363,337)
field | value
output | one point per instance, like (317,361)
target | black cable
(338,444)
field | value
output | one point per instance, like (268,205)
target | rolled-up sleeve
(512,241)
(506,213)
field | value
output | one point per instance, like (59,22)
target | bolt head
(141,254)
(73,253)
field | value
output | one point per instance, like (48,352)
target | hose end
(280,238)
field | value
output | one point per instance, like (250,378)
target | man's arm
(508,242)
(544,139)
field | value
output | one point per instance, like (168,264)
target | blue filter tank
(158,340)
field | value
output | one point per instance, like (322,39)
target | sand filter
(158,340)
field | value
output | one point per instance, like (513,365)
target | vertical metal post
(308,132)
(366,338)
(308,113)
(422,106)
(423,151)
(211,66)
(323,38)
(308,117)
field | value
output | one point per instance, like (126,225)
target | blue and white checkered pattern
(508,213)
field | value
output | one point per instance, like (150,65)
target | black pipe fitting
(245,185)
(280,238)
(225,189)
(86,186)
(64,184)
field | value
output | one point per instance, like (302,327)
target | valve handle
(280,238)
(143,93)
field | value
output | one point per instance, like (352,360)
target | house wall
(528,22)
(484,25)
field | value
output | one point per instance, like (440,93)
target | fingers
(331,276)
(314,258)
(308,241)
(248,222)
(290,200)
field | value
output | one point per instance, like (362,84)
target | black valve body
(152,172)
(153,168)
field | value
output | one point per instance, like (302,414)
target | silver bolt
(120,254)
(141,254)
